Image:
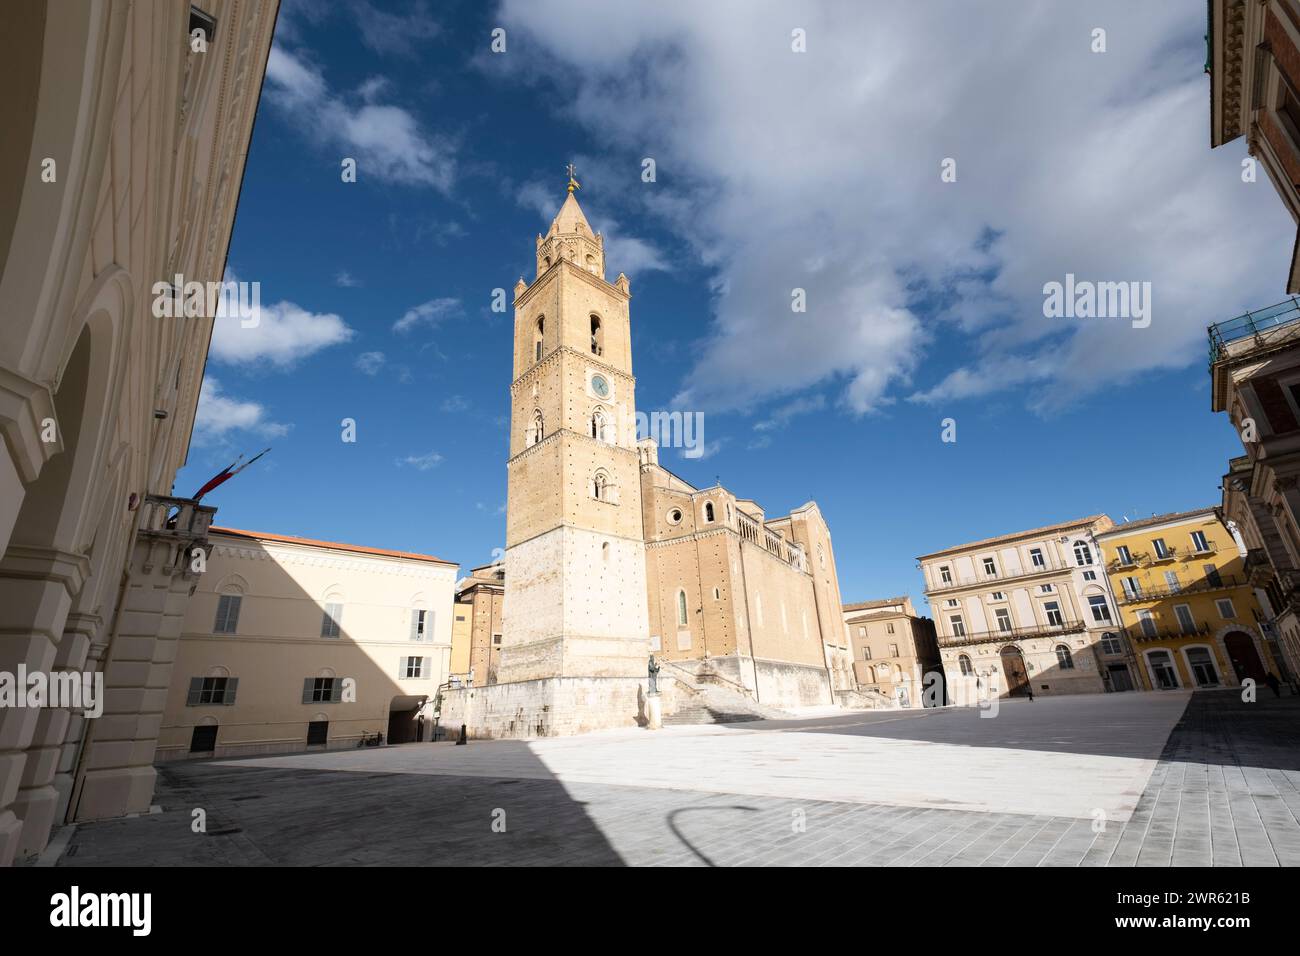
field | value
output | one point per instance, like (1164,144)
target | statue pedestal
(654,711)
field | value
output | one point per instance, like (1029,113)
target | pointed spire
(570,220)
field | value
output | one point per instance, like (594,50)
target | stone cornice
(334,561)
(580,436)
(556,352)
(575,270)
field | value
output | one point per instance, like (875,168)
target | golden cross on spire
(573,183)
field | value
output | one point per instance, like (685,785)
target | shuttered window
(322,690)
(206,691)
(227,614)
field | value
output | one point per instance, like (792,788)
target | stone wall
(552,707)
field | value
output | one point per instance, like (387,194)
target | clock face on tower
(600,386)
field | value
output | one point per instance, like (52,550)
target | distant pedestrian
(1030,691)
(1273,683)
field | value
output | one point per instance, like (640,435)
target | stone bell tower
(575,592)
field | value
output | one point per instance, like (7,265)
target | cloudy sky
(776,169)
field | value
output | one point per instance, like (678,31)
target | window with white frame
(889,627)
(1132,587)
(966,669)
(329,625)
(1185,620)
(1036,558)
(413,668)
(1161,549)
(945,574)
(1046,588)
(997,596)
(1053,612)
(1172,582)
(1226,610)
(1003,617)
(1199,542)
(420,624)
(990,567)
(1110,643)
(1100,608)
(1125,557)
(1082,553)
(958,626)
(1147,621)
(1090,575)
(1064,660)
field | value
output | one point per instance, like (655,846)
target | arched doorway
(1013,666)
(1245,659)
(404,722)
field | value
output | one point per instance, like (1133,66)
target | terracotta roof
(1159,519)
(1045,529)
(336,545)
(868,605)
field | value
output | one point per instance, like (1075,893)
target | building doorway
(1120,678)
(1013,665)
(403,719)
(1199,662)
(1245,660)
(204,739)
(1163,674)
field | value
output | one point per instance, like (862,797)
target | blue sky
(775,170)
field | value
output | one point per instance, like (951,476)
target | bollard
(464,739)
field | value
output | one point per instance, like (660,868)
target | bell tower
(575,594)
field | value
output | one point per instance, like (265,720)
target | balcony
(1158,557)
(997,576)
(181,518)
(1012,634)
(1139,635)
(1223,583)
(1134,560)
(1253,332)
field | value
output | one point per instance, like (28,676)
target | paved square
(1175,779)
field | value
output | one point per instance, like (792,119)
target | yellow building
(1184,601)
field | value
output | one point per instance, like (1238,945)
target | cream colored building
(294,644)
(1029,610)
(120,164)
(476,630)
(610,557)
(894,648)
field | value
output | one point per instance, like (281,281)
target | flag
(227,473)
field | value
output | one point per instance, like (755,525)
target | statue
(654,675)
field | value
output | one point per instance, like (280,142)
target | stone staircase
(711,700)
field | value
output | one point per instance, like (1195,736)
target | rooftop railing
(1260,329)
(1010,634)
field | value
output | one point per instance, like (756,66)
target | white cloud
(455,403)
(388,142)
(370,362)
(421,462)
(821,171)
(431,313)
(219,414)
(284,334)
(345,280)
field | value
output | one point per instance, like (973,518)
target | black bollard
(464,738)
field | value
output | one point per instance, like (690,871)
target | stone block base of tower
(550,707)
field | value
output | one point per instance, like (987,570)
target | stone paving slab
(620,799)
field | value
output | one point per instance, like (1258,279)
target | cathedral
(611,558)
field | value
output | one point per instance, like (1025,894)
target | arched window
(681,608)
(1082,553)
(600,486)
(537,430)
(537,336)
(1063,658)
(598,424)
(597,336)
(591,263)
(708,511)
(966,669)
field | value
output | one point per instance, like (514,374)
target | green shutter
(196,688)
(232,685)
(306,689)
(336,690)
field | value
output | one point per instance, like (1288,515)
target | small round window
(675,516)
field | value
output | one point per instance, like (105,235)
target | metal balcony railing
(1158,633)
(1250,331)
(1223,582)
(1012,634)
(998,576)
